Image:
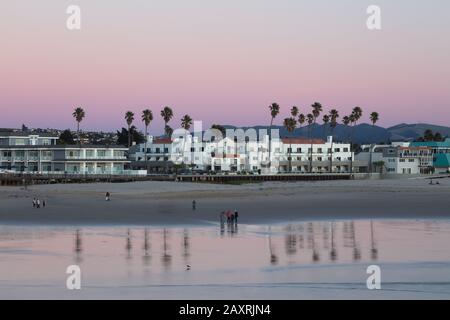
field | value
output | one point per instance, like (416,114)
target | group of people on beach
(232,217)
(37,203)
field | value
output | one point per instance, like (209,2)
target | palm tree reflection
(78,249)
(333,252)
(273,256)
(373,248)
(166,257)
(128,245)
(146,258)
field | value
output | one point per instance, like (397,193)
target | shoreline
(170,203)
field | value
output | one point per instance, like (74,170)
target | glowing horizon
(222,62)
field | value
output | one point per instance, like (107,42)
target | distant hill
(362,133)
(406,132)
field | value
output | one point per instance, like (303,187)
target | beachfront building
(296,155)
(397,158)
(440,153)
(40,153)
(227,155)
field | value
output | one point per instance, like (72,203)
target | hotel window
(20,142)
(402,160)
(192,149)
(411,160)
(345,149)
(319,150)
(289,150)
(166,150)
(7,154)
(101,153)
(337,149)
(119,154)
(89,154)
(299,150)
(157,150)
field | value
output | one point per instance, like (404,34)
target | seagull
(188,267)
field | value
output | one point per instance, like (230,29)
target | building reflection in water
(290,241)
(78,249)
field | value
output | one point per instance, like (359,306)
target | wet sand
(306,260)
(170,203)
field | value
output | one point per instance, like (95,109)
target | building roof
(415,148)
(12,133)
(432,144)
(162,141)
(301,141)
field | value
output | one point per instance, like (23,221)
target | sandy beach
(170,203)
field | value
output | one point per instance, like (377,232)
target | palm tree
(334,115)
(274,111)
(290,124)
(374,117)
(147,118)
(186,123)
(294,112)
(301,119)
(129,117)
(79,115)
(326,119)
(310,121)
(354,117)
(167,115)
(317,109)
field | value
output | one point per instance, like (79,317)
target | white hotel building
(228,155)
(24,152)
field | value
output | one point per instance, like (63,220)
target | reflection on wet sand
(78,246)
(148,259)
(308,242)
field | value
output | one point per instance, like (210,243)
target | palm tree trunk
(145,150)
(331,152)
(310,150)
(78,134)
(270,143)
(129,136)
(290,157)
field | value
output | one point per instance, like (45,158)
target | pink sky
(222,62)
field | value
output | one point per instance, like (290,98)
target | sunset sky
(222,61)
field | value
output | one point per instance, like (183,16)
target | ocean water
(304,260)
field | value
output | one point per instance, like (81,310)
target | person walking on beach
(194,205)
(108,196)
(38,203)
(34,202)
(236,215)
(222,217)
(44,203)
